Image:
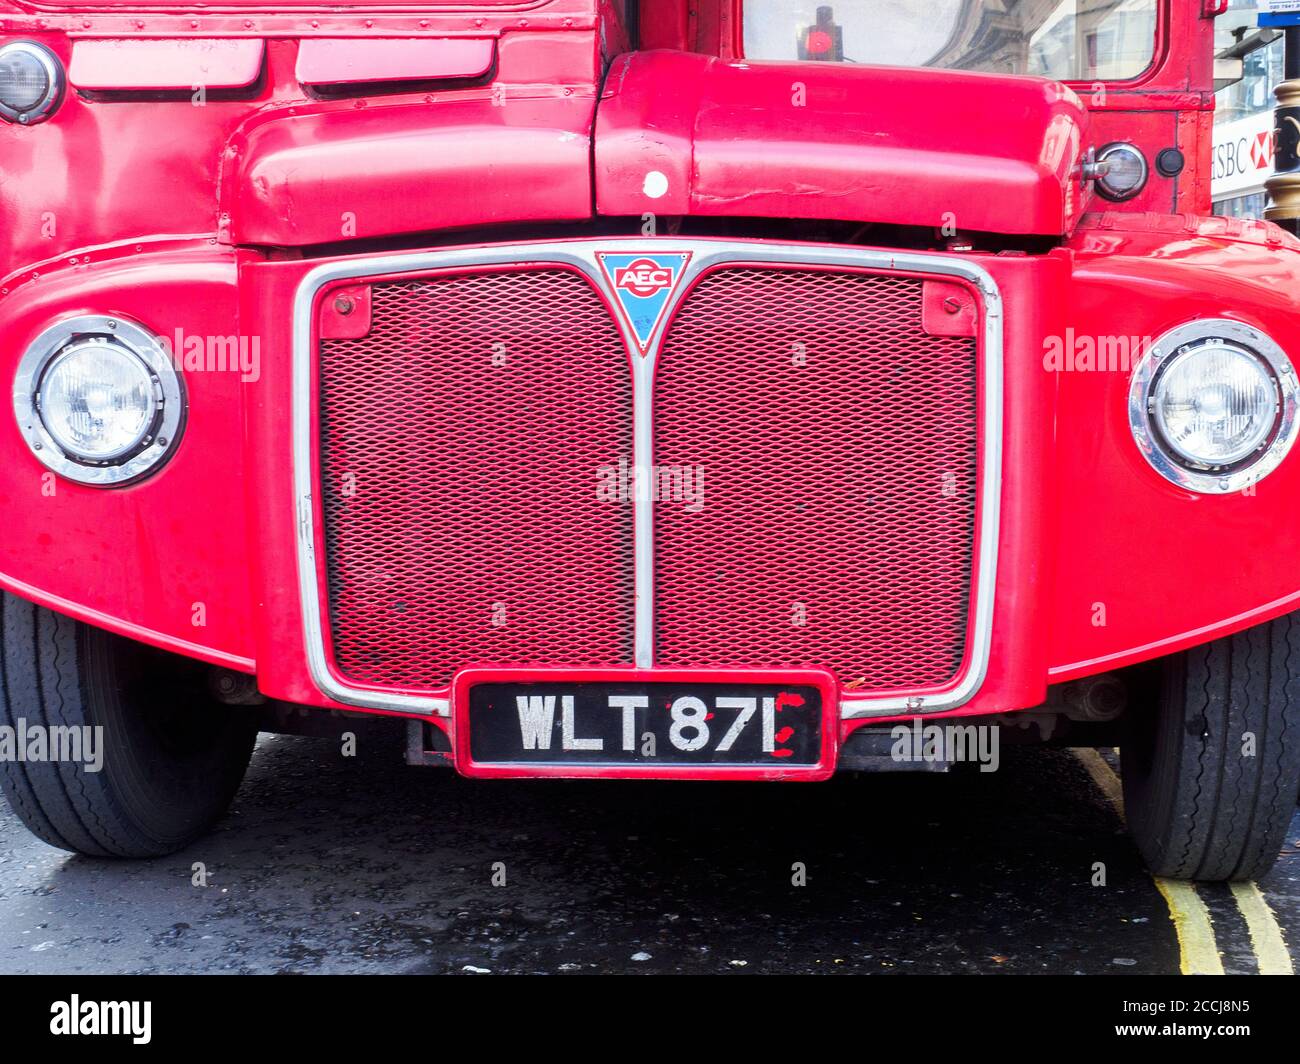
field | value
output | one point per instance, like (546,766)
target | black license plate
(675,726)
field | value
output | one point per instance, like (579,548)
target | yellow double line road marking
(1265,935)
(1197,945)
(1103,776)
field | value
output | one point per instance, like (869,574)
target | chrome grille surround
(705,255)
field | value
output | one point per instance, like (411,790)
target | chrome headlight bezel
(162,435)
(1105,154)
(53,96)
(1173,466)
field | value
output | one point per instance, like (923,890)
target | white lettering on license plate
(689,731)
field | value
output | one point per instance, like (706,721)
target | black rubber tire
(1198,806)
(171,759)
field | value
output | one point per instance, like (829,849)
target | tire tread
(50,665)
(1205,810)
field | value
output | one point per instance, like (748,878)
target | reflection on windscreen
(1071,40)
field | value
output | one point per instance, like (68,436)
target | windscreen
(1070,40)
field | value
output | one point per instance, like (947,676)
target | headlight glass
(97,400)
(1126,172)
(1215,403)
(31,82)
(23,81)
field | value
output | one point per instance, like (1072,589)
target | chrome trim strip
(643,376)
(581,254)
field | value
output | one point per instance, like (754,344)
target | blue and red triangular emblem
(643,285)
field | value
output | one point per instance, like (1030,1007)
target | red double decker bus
(640,389)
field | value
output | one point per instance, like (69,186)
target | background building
(1243,119)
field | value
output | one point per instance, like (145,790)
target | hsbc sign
(1243,156)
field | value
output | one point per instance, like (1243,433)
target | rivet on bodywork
(655,185)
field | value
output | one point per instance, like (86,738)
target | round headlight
(98,400)
(1212,405)
(1215,403)
(31,82)
(1125,172)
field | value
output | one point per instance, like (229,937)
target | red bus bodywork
(510,130)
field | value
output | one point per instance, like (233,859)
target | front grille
(460,446)
(824,447)
(835,452)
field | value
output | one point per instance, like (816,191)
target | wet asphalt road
(365,865)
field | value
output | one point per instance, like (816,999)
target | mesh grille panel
(837,443)
(460,446)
